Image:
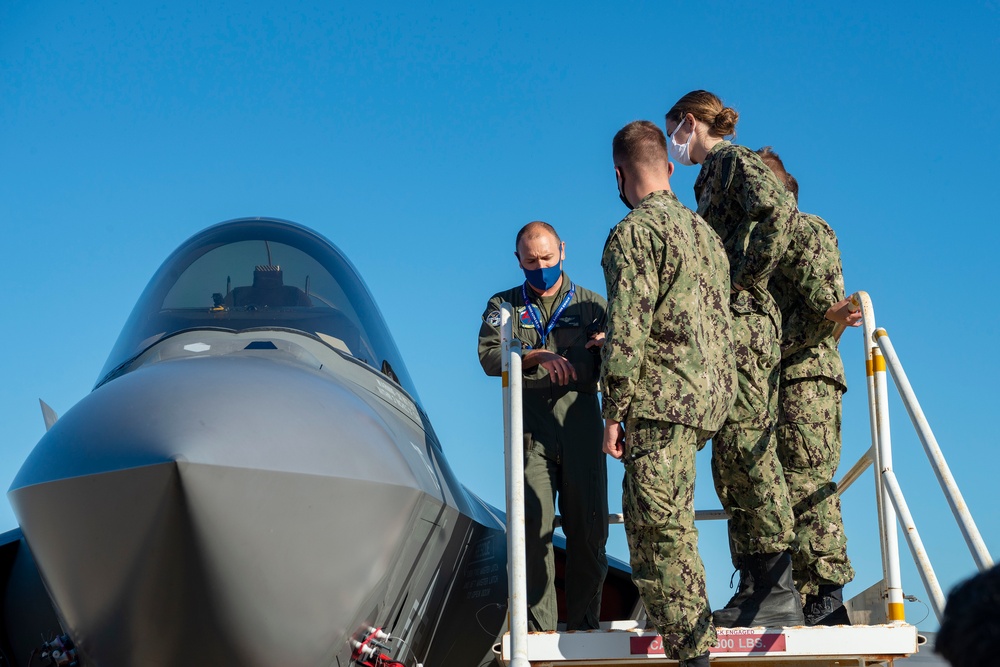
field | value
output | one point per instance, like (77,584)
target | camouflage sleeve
(767,202)
(633,282)
(802,331)
(812,264)
(828,239)
(489,338)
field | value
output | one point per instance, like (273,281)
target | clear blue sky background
(420,138)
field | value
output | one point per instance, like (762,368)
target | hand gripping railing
(879,354)
(513,429)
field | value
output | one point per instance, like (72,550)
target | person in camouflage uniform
(561,326)
(809,290)
(669,378)
(755,217)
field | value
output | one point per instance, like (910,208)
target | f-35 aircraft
(252,482)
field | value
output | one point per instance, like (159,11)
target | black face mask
(621,193)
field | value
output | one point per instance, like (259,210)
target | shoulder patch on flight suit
(493,318)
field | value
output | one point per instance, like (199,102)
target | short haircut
(773,161)
(533,229)
(970,629)
(640,144)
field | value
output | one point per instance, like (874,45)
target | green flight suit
(754,216)
(810,280)
(563,456)
(669,374)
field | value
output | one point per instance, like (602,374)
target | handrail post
(878,412)
(920,557)
(951,491)
(514,460)
(856,471)
(861,301)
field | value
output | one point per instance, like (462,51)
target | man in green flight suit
(808,287)
(669,378)
(561,327)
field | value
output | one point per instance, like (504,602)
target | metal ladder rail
(892,506)
(878,415)
(913,538)
(514,458)
(956,502)
(949,486)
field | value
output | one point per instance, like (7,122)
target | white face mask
(681,153)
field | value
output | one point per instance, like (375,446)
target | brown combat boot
(766,595)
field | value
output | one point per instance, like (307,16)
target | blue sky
(419,138)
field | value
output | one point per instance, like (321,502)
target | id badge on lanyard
(544,332)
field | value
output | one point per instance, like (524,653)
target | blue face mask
(544,278)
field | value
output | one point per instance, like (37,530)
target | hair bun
(725,122)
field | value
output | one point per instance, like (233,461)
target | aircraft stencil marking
(398,399)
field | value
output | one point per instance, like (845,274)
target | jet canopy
(260,274)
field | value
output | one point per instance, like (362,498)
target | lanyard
(545,331)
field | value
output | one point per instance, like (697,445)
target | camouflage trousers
(577,473)
(809,449)
(745,466)
(658,504)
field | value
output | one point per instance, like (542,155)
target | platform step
(843,645)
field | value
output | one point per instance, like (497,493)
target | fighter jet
(251,482)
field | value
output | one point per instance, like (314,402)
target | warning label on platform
(730,641)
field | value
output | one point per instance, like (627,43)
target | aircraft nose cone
(216,511)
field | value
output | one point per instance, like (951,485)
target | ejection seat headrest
(267,276)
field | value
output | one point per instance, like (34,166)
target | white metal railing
(514,455)
(878,415)
(951,491)
(892,508)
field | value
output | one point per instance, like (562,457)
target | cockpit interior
(259,274)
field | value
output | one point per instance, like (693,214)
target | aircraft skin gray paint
(211,504)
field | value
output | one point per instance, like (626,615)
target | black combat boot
(768,597)
(744,591)
(827,608)
(700,661)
